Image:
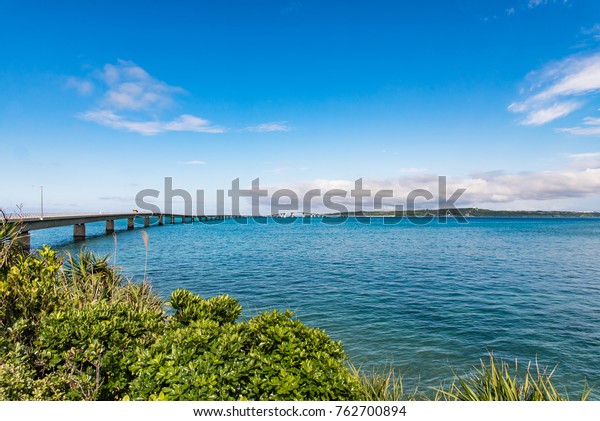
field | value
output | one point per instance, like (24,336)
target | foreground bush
(268,357)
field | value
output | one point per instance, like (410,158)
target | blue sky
(99,101)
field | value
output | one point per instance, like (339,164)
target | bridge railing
(17,216)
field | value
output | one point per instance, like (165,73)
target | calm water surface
(423,298)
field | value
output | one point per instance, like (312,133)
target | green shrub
(269,357)
(19,380)
(191,307)
(96,345)
(28,291)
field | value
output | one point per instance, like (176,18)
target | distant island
(472,212)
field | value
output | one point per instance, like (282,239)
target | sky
(101,100)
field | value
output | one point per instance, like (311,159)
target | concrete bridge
(30,222)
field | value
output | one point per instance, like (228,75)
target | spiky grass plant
(87,277)
(496,381)
(145,238)
(114,235)
(9,245)
(383,385)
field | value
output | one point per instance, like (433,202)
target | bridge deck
(32,222)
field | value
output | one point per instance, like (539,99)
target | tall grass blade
(114,235)
(496,381)
(145,238)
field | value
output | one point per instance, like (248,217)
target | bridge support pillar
(79,232)
(129,223)
(160,220)
(183,219)
(146,221)
(110,226)
(24,240)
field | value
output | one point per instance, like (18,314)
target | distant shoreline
(472,213)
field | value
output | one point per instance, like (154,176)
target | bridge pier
(24,240)
(110,226)
(129,223)
(79,232)
(146,221)
(160,220)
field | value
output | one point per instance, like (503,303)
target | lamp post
(41,201)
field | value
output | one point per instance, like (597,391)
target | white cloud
(579,179)
(535,3)
(580,76)
(594,121)
(585,160)
(592,129)
(83,87)
(587,155)
(280,126)
(189,123)
(192,162)
(133,99)
(581,131)
(557,90)
(594,31)
(546,115)
(131,88)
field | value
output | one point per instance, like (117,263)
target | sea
(424,299)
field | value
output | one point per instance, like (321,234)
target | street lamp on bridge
(41,202)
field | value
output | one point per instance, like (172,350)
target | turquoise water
(423,298)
